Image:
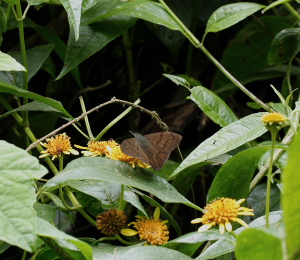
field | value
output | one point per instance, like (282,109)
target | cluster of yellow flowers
(60,144)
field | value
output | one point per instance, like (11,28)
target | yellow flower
(274,121)
(97,148)
(58,145)
(154,230)
(116,154)
(221,212)
(111,222)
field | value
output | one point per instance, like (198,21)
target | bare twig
(153,114)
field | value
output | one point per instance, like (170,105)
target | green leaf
(285,46)
(213,106)
(137,252)
(233,179)
(73,9)
(45,211)
(11,2)
(59,47)
(45,229)
(8,63)
(226,139)
(209,235)
(143,9)
(93,38)
(246,55)
(17,194)
(104,191)
(257,199)
(36,56)
(57,201)
(178,80)
(104,169)
(14,90)
(133,199)
(258,244)
(290,198)
(229,15)
(33,106)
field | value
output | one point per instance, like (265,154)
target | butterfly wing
(153,149)
(132,148)
(162,143)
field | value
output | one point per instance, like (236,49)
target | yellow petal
(156,213)
(242,222)
(81,147)
(228,226)
(204,227)
(196,220)
(129,232)
(222,228)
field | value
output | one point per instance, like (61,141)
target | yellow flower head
(57,145)
(154,230)
(98,148)
(274,121)
(116,154)
(111,222)
(221,212)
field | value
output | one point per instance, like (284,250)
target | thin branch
(153,114)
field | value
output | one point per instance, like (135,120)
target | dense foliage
(76,77)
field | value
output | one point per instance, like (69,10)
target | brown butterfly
(153,149)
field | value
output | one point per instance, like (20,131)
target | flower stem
(24,58)
(124,241)
(86,119)
(117,119)
(268,192)
(121,197)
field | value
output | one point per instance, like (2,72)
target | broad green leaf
(213,106)
(137,252)
(45,229)
(8,63)
(59,47)
(285,46)
(17,194)
(209,235)
(104,169)
(233,179)
(246,55)
(291,196)
(106,192)
(11,2)
(143,9)
(257,199)
(36,56)
(92,39)
(33,106)
(229,15)
(73,9)
(257,244)
(14,90)
(45,211)
(226,139)
(178,80)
